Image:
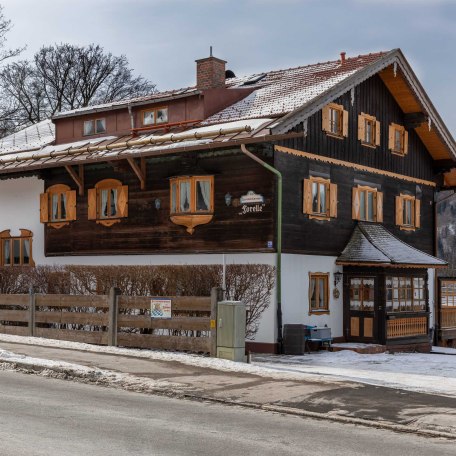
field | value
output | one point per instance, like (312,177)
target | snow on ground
(427,373)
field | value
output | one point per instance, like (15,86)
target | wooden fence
(113,320)
(406,327)
(448,317)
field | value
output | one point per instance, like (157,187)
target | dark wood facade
(149,230)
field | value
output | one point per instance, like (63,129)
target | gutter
(279,242)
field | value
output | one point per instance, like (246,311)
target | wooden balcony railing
(448,318)
(406,327)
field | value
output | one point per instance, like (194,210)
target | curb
(91,378)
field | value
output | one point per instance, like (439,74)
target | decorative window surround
(368,130)
(191,201)
(16,250)
(335,121)
(58,206)
(367,204)
(318,293)
(408,212)
(320,198)
(108,202)
(397,139)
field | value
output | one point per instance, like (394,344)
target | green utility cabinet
(231,322)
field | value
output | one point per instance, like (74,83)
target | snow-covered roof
(372,243)
(33,137)
(283,91)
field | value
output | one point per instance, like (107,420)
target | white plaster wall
(295,291)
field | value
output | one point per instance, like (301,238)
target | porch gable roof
(373,244)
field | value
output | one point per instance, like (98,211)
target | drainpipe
(132,119)
(279,242)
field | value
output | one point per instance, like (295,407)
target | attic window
(368,130)
(397,139)
(335,120)
(154,116)
(94,127)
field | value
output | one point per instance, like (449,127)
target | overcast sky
(163,38)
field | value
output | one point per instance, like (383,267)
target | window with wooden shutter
(369,132)
(318,293)
(408,210)
(367,204)
(397,139)
(335,120)
(320,198)
(58,206)
(107,202)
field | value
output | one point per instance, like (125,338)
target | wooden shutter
(405,142)
(71,205)
(391,137)
(44,207)
(377,133)
(122,201)
(325,118)
(92,204)
(379,198)
(361,128)
(399,210)
(417,213)
(307,200)
(355,204)
(332,200)
(345,123)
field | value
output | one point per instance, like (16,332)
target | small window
(367,204)
(318,292)
(192,195)
(108,202)
(154,116)
(94,127)
(408,212)
(320,198)
(58,206)
(16,250)
(368,130)
(397,139)
(335,120)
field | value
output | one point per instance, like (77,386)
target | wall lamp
(337,278)
(157,203)
(228,198)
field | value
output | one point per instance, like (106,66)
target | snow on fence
(113,320)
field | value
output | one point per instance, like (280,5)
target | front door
(360,324)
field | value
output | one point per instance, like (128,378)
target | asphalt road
(41,416)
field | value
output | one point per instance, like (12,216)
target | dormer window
(154,116)
(94,127)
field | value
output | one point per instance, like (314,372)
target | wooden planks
(179,303)
(181,343)
(56,310)
(448,317)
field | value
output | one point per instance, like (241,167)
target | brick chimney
(210,73)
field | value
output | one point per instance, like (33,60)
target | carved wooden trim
(191,220)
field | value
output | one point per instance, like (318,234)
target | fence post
(216,295)
(112,316)
(31,323)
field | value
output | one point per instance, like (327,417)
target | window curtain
(55,206)
(63,204)
(184,196)
(104,203)
(113,211)
(6,252)
(205,191)
(26,251)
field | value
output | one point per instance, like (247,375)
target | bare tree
(65,77)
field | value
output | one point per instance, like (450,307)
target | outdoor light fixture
(337,278)
(157,203)
(228,199)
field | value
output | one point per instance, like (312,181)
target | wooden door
(361,323)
